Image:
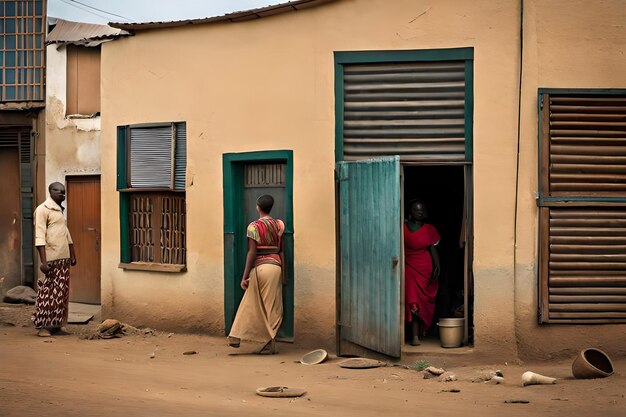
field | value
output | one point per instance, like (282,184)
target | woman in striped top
(261,310)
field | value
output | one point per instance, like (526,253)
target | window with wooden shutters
(83,80)
(152,163)
(582,206)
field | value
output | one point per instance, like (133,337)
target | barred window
(157,227)
(22,32)
(151,181)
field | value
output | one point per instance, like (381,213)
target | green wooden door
(247,176)
(370,253)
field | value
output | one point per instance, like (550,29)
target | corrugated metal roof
(86,34)
(230,17)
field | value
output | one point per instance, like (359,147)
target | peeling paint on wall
(73,144)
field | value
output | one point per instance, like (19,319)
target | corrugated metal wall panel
(587,146)
(180,156)
(587,264)
(151,157)
(415,110)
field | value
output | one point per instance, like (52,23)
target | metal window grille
(22,53)
(157,227)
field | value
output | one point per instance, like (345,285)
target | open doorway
(444,192)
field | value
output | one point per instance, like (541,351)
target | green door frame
(342,58)
(234,233)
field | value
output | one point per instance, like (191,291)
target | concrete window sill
(83,116)
(153,267)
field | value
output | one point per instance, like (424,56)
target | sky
(104,11)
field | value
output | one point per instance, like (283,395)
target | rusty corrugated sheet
(230,17)
(413,109)
(85,34)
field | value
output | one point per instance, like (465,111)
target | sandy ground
(70,376)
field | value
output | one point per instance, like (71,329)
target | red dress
(419,294)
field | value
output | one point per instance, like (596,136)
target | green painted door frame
(342,58)
(235,244)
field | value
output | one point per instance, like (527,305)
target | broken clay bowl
(314,358)
(592,363)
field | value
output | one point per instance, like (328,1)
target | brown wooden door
(10,218)
(83,220)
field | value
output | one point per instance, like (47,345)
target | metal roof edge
(234,17)
(80,33)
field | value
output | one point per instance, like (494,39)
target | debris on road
(531,378)
(315,357)
(486,376)
(111,328)
(190,352)
(361,363)
(451,390)
(435,371)
(516,401)
(447,377)
(280,392)
(20,294)
(496,380)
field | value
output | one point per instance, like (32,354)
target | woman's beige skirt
(261,310)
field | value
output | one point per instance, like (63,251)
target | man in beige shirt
(56,251)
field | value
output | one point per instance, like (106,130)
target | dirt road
(67,376)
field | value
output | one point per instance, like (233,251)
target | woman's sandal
(44,333)
(234,342)
(269,348)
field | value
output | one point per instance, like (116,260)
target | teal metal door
(370,270)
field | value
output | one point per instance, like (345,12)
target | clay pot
(592,363)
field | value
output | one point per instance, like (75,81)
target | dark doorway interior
(442,188)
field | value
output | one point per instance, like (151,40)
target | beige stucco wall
(268,84)
(567,44)
(72,145)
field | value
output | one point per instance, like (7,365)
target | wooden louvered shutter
(412,109)
(585,141)
(583,213)
(151,157)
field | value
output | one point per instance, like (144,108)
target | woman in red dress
(421,270)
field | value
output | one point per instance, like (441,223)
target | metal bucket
(451,332)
